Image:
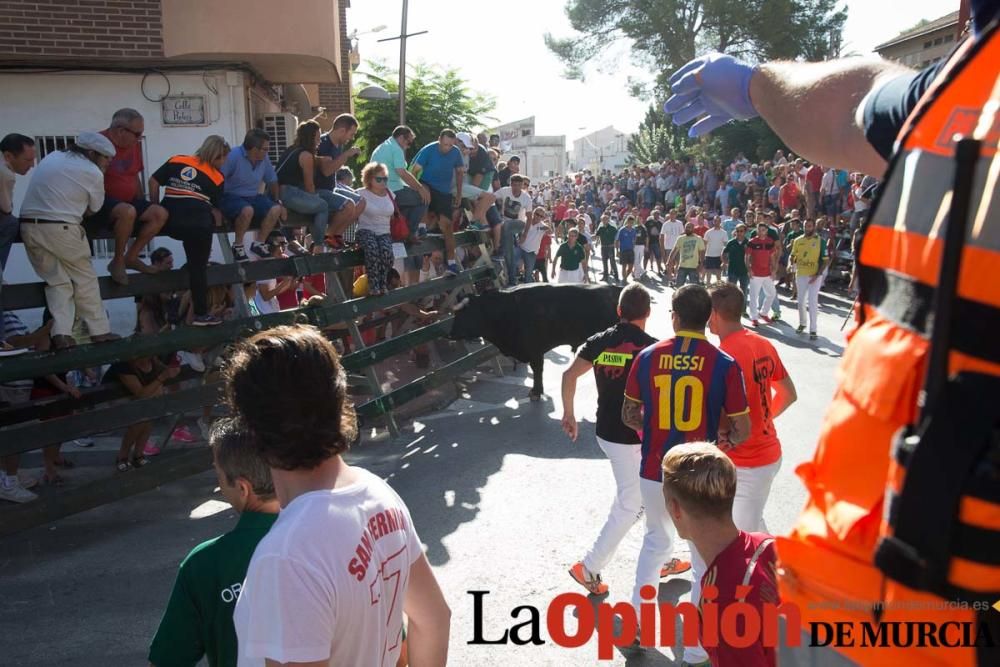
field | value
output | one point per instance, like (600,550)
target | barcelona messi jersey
(685,385)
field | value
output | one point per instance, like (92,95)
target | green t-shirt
(789,237)
(570,258)
(736,255)
(689,249)
(198,620)
(607,234)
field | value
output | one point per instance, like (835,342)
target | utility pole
(402,60)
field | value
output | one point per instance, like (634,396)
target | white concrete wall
(608,143)
(68,103)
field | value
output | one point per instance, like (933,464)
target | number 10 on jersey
(681,402)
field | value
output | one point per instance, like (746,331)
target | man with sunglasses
(125,202)
(412,196)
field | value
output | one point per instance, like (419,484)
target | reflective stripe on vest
(900,255)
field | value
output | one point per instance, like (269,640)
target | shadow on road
(441,464)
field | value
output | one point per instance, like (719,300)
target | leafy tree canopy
(435,99)
(665,34)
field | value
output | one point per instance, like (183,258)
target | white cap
(466,139)
(94,141)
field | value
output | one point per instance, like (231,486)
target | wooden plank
(21,436)
(396,345)
(32,295)
(37,364)
(168,467)
(407,392)
(46,408)
(34,435)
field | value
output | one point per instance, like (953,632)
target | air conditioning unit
(280,128)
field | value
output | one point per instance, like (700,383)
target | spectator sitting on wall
(18,158)
(125,207)
(198,621)
(192,191)
(246,168)
(345,184)
(438,165)
(296,175)
(374,226)
(481,198)
(412,197)
(67,186)
(332,154)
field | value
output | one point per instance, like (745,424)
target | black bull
(527,321)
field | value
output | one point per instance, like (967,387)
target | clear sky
(498,48)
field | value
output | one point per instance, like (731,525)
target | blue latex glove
(715,89)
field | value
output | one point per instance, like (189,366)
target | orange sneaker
(674,566)
(591,582)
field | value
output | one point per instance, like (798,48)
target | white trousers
(752,488)
(60,255)
(574,276)
(657,548)
(637,270)
(757,284)
(808,296)
(626,507)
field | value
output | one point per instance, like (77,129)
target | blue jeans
(9,228)
(508,244)
(744,283)
(685,276)
(525,258)
(298,200)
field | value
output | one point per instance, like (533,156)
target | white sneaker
(16,493)
(82,442)
(193,360)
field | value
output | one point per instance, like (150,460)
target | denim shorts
(232,205)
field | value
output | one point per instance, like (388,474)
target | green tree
(435,99)
(665,34)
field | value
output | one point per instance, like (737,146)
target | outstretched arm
(827,95)
(793,98)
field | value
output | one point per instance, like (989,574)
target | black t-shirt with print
(612,353)
(185,178)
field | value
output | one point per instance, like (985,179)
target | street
(502,500)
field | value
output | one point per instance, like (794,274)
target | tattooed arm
(632,414)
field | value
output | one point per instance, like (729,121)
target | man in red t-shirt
(699,485)
(770,391)
(788,196)
(125,202)
(763,253)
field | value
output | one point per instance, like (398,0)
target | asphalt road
(503,501)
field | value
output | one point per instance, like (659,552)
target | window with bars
(49,143)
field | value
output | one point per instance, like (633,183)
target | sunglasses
(381,179)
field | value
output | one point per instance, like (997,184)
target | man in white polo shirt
(66,187)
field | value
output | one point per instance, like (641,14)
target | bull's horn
(460,305)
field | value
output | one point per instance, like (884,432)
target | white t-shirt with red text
(328,581)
